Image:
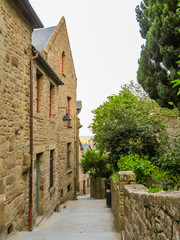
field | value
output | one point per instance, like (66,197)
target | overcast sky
(105,43)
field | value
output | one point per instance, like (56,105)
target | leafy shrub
(169,163)
(96,164)
(115,177)
(141,166)
(154,189)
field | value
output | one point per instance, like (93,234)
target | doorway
(37,183)
(84,187)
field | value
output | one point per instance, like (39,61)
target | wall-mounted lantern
(67,120)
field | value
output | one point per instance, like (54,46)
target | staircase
(84,219)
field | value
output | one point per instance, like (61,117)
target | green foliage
(141,166)
(96,163)
(115,177)
(129,122)
(159,25)
(170,164)
(154,189)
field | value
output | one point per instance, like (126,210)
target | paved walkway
(84,219)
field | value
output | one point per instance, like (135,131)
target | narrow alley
(85,219)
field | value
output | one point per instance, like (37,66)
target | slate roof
(85,146)
(40,37)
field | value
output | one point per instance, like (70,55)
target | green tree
(142,167)
(127,123)
(170,164)
(159,24)
(96,164)
(177,81)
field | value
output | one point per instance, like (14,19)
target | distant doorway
(84,187)
(37,183)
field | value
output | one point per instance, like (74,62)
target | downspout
(75,157)
(31,144)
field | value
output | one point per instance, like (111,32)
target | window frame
(38,79)
(68,156)
(51,170)
(63,63)
(68,105)
(51,98)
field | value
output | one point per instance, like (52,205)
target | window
(38,85)
(68,105)
(68,155)
(61,193)
(51,99)
(51,167)
(63,63)
(69,188)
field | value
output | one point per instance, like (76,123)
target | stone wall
(140,215)
(45,139)
(15,47)
(117,198)
(59,43)
(151,215)
(49,131)
(97,187)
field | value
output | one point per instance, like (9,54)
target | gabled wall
(57,45)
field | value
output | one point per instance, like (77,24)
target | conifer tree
(159,23)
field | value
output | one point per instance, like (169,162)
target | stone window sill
(69,170)
(52,190)
(39,115)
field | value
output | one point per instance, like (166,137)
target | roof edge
(28,12)
(48,67)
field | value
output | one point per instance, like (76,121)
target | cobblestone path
(84,219)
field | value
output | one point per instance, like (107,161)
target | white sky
(105,43)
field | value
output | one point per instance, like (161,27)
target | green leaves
(177,81)
(127,122)
(170,163)
(96,163)
(142,167)
(159,23)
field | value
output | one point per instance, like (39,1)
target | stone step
(64,236)
(78,222)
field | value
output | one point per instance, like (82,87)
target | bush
(96,164)
(141,166)
(115,177)
(169,163)
(154,189)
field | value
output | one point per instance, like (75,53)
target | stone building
(17,19)
(87,140)
(84,179)
(53,43)
(37,91)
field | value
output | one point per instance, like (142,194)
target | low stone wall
(97,187)
(117,198)
(140,215)
(115,204)
(151,215)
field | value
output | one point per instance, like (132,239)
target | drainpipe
(75,157)
(31,144)
(75,160)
